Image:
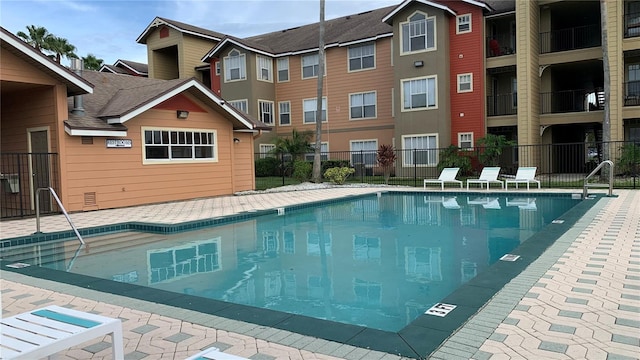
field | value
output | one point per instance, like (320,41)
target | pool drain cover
(509,257)
(440,309)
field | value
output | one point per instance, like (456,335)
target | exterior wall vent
(87,140)
(90,199)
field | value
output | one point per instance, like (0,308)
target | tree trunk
(317,168)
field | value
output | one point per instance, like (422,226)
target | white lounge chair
(523,203)
(448,175)
(40,333)
(488,176)
(524,175)
(214,353)
(486,202)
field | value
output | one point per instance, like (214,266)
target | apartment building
(425,74)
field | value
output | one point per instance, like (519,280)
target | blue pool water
(378,261)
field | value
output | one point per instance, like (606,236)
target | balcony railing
(571,101)
(580,37)
(632,25)
(500,46)
(632,93)
(502,104)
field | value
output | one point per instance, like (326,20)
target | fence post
(21,197)
(282,166)
(415,167)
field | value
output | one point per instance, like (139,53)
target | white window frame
(409,25)
(184,138)
(414,84)
(283,65)
(363,105)
(407,158)
(369,156)
(324,151)
(351,56)
(280,112)
(462,21)
(264,68)
(462,81)
(316,66)
(465,137)
(315,104)
(242,66)
(265,150)
(240,104)
(217,67)
(265,109)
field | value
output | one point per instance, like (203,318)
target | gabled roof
(135,67)
(112,69)
(365,26)
(181,27)
(438,4)
(75,84)
(118,98)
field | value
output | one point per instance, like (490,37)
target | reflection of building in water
(177,262)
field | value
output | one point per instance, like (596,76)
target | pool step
(56,251)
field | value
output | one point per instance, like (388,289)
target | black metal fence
(20,175)
(579,37)
(559,165)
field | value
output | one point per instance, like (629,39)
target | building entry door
(39,168)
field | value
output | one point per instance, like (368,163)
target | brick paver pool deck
(579,300)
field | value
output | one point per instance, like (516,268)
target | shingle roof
(140,68)
(501,6)
(112,69)
(183,27)
(116,95)
(341,30)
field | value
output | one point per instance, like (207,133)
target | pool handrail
(610,185)
(55,196)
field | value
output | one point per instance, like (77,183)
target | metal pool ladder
(55,196)
(609,185)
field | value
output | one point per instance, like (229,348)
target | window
(266,150)
(217,68)
(289,241)
(423,263)
(419,93)
(364,152)
(310,66)
(362,105)
(283,69)
(266,111)
(465,83)
(418,34)
(264,68)
(369,293)
(361,57)
(313,244)
(465,140)
(284,108)
(366,248)
(421,150)
(309,107)
(464,24)
(242,105)
(234,66)
(324,152)
(163,145)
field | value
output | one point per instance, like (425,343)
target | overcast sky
(109,28)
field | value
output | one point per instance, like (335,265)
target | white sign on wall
(119,143)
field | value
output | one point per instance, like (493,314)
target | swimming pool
(376,262)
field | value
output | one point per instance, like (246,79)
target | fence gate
(20,175)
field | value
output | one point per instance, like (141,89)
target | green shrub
(338,175)
(267,167)
(328,164)
(629,161)
(453,157)
(302,170)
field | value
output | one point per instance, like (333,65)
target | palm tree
(91,62)
(60,47)
(317,166)
(297,145)
(37,36)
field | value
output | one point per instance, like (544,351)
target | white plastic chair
(46,331)
(524,175)
(448,175)
(488,176)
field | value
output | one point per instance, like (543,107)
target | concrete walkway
(580,300)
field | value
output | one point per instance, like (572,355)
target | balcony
(632,25)
(567,101)
(502,104)
(632,93)
(500,46)
(580,37)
